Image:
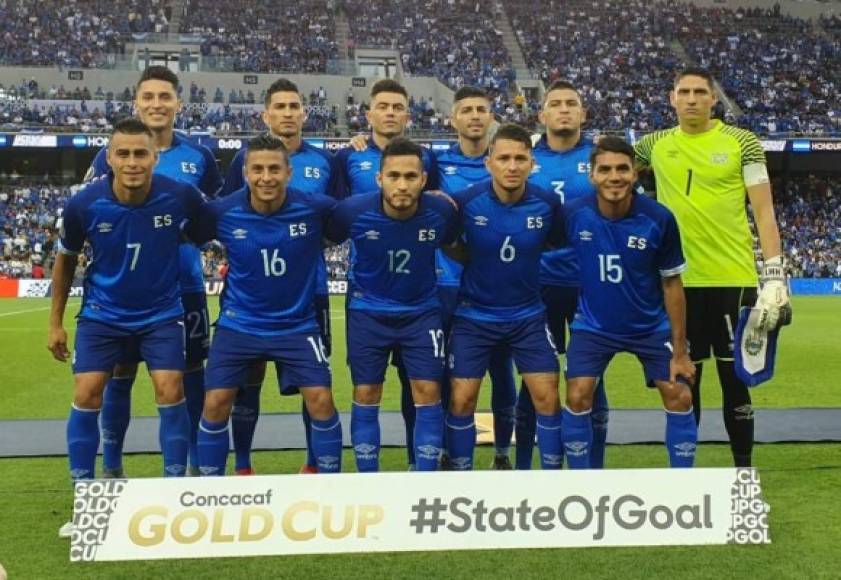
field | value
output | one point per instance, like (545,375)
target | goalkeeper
(703,169)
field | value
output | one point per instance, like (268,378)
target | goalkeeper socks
(549,441)
(82,441)
(327,444)
(214,444)
(738,413)
(503,398)
(461,440)
(525,429)
(244,415)
(429,435)
(116,414)
(194,393)
(599,418)
(305,415)
(174,437)
(696,393)
(365,436)
(407,408)
(681,438)
(578,438)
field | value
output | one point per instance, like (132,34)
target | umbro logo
(685,449)
(552,459)
(79,473)
(328,462)
(450,170)
(461,463)
(208,470)
(480,220)
(429,451)
(372,235)
(536,168)
(576,448)
(175,469)
(240,234)
(366,166)
(105,228)
(585,236)
(720,158)
(672,153)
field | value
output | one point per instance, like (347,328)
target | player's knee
(425,392)
(680,400)
(462,403)
(87,399)
(319,401)
(579,400)
(218,403)
(367,394)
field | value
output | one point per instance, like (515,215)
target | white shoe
(66,530)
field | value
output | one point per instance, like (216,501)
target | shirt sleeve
(338,222)
(339,184)
(235,179)
(99,166)
(71,237)
(670,258)
(211,180)
(201,227)
(452,224)
(431,167)
(557,232)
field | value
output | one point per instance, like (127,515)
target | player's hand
(443,195)
(57,344)
(359,142)
(773,296)
(681,366)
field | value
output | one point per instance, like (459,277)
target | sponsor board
(143,519)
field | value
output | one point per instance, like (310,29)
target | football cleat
(245,471)
(308,469)
(502,463)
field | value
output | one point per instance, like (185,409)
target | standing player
(562,161)
(704,169)
(157,104)
(314,171)
(507,224)
(628,249)
(273,237)
(394,305)
(460,166)
(131,220)
(388,115)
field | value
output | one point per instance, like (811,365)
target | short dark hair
(400,146)
(612,145)
(131,126)
(561,85)
(266,142)
(159,73)
(468,92)
(512,132)
(281,86)
(388,86)
(695,71)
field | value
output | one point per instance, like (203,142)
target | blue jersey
(191,163)
(622,264)
(504,242)
(132,280)
(271,280)
(393,265)
(358,170)
(456,172)
(314,170)
(566,173)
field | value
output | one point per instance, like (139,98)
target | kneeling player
(273,236)
(632,300)
(392,301)
(507,224)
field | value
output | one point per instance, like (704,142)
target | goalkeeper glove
(773,300)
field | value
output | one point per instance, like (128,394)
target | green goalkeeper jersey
(700,179)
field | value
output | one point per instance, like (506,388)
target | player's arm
(675,303)
(70,243)
(359,142)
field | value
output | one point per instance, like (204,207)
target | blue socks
(681,437)
(429,436)
(525,429)
(549,441)
(305,415)
(407,408)
(213,444)
(599,418)
(577,438)
(503,398)
(116,414)
(174,437)
(461,440)
(365,436)
(327,444)
(194,393)
(82,442)
(244,415)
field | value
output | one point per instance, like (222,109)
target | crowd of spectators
(84,33)
(453,40)
(264,35)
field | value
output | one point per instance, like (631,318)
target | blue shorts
(372,336)
(561,303)
(100,346)
(299,359)
(473,342)
(196,327)
(589,354)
